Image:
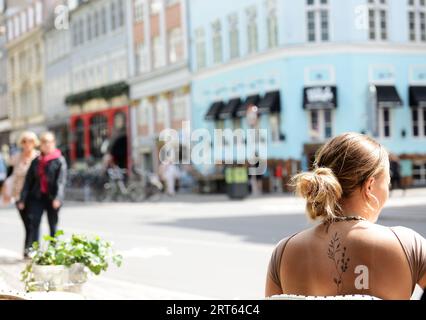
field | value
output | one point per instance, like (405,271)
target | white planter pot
(77,277)
(50,278)
(60,278)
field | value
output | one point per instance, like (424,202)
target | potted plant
(63,264)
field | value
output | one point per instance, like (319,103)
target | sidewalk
(98,288)
(220,198)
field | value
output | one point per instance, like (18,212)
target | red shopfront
(90,131)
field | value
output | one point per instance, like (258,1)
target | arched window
(79,139)
(98,135)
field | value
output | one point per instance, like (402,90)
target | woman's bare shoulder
(364,233)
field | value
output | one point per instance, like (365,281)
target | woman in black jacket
(44,186)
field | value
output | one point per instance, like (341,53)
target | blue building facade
(315,69)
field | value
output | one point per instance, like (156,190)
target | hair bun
(322,191)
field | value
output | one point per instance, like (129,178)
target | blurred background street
(178,249)
(135,91)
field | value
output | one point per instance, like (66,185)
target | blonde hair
(47,134)
(341,166)
(30,136)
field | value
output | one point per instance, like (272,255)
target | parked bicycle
(121,188)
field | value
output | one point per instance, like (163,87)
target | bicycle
(117,188)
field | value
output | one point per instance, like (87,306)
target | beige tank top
(20,169)
(413,244)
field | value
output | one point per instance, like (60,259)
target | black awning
(229,110)
(320,97)
(387,96)
(417,96)
(214,110)
(252,100)
(270,103)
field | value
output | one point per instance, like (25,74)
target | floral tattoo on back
(338,254)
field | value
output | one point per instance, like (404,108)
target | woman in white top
(28,143)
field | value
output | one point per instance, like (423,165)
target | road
(190,247)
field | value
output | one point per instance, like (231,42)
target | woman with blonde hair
(28,142)
(347,253)
(44,186)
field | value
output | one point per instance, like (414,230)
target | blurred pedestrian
(20,163)
(171,174)
(44,186)
(278,178)
(256,177)
(3,171)
(395,172)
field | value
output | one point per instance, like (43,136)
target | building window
(17,27)
(317,20)
(419,122)
(274,123)
(157,54)
(321,124)
(217,42)
(234,39)
(377,17)
(220,125)
(89,27)
(39,101)
(237,123)
(171,2)
(155,7)
(120,13)
(385,123)
(16,106)
(22,64)
(252,33)
(81,31)
(98,134)
(96,24)
(175,45)
(104,20)
(74,35)
(328,124)
(417,20)
(139,6)
(141,58)
(272,23)
(24,22)
(38,61)
(179,107)
(160,114)
(113,15)
(38,13)
(12,69)
(144,115)
(30,18)
(419,173)
(200,47)
(10,30)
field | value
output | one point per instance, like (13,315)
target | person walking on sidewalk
(20,164)
(44,186)
(347,253)
(395,172)
(171,174)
